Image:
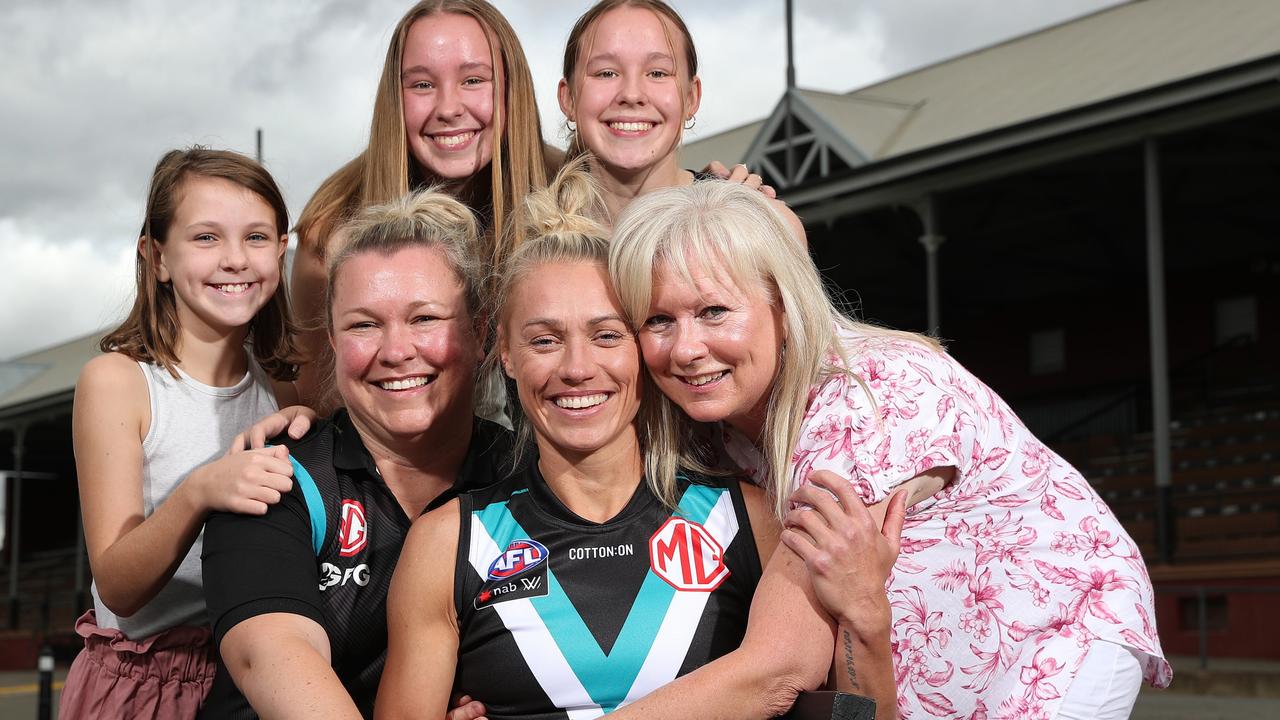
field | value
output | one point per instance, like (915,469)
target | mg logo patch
(353,533)
(686,555)
(519,556)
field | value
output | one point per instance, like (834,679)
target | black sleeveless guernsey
(559,617)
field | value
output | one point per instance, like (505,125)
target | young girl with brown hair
(206,349)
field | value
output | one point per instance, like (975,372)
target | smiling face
(405,347)
(631,93)
(713,346)
(221,255)
(447,90)
(574,360)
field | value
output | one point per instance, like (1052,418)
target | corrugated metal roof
(49,372)
(728,147)
(1105,55)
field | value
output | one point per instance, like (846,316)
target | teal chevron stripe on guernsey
(607,678)
(315,505)
(684,613)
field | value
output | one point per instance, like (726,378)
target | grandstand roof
(44,378)
(1106,55)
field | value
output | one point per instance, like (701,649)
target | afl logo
(519,556)
(353,534)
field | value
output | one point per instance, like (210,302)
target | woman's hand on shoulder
(740,174)
(295,420)
(244,482)
(849,554)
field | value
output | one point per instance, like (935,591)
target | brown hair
(577,45)
(150,333)
(383,171)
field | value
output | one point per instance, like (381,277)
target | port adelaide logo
(520,571)
(353,534)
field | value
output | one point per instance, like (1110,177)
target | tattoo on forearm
(849,670)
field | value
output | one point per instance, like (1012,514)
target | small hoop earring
(571,125)
(688,124)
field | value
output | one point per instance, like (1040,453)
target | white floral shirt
(1005,576)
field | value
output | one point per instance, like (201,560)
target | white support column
(1161,449)
(931,240)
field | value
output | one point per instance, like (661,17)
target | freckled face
(631,96)
(574,359)
(405,346)
(447,89)
(713,347)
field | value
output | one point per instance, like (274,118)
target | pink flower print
(1096,543)
(1021,709)
(917,665)
(977,623)
(1063,623)
(834,435)
(1039,596)
(872,371)
(1091,584)
(1065,543)
(952,576)
(1036,676)
(916,442)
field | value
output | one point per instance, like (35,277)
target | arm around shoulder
(422,626)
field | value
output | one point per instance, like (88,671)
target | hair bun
(570,205)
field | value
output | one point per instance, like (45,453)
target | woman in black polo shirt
(297,597)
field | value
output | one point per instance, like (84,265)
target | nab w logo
(353,534)
(686,555)
(519,556)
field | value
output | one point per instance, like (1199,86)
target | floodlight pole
(258,155)
(791,86)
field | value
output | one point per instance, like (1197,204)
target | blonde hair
(385,169)
(427,219)
(150,332)
(560,227)
(735,230)
(579,44)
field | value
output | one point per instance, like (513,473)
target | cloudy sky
(92,93)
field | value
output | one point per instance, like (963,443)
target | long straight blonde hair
(386,170)
(734,230)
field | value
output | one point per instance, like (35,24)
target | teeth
(406,384)
(233,288)
(631,126)
(577,402)
(699,380)
(452,140)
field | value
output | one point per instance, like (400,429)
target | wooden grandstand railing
(1225,482)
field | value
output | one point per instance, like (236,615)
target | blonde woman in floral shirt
(1017,594)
